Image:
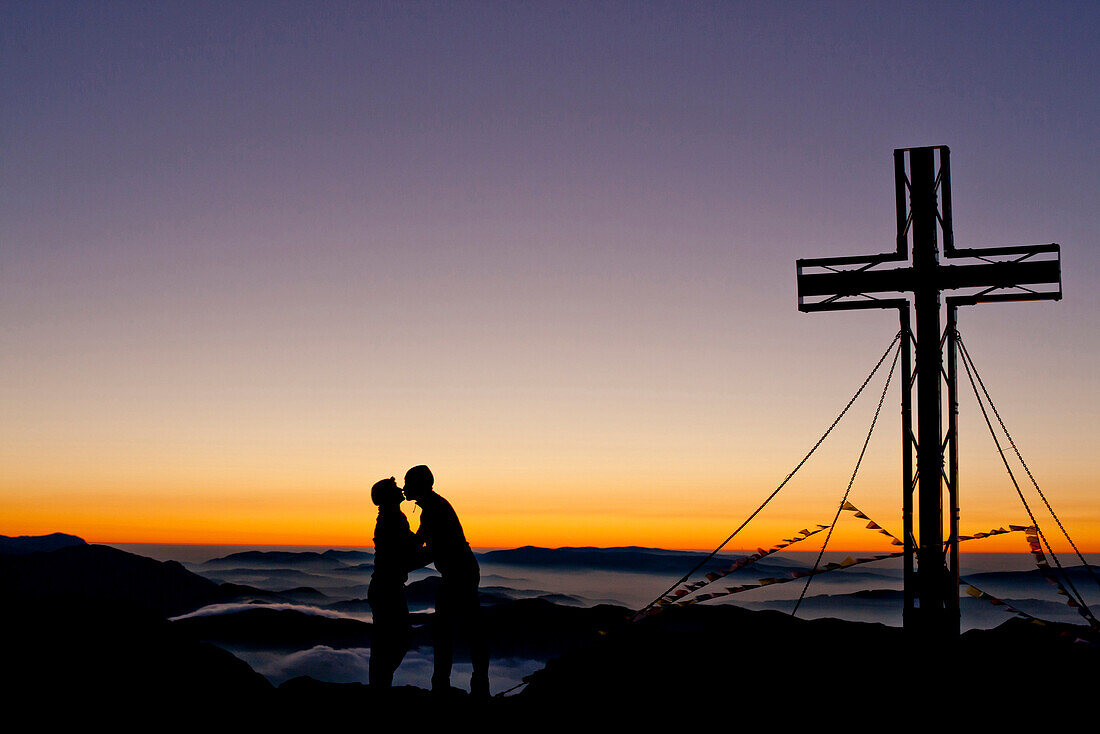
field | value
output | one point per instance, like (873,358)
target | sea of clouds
(832,595)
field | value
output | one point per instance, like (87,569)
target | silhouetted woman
(393,547)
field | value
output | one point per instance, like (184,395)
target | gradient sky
(255,256)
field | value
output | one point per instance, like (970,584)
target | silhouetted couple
(397,551)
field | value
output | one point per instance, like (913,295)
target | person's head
(386,492)
(418,482)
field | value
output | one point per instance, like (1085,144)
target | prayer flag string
(1032,537)
(738,565)
(677,597)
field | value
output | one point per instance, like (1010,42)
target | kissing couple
(397,551)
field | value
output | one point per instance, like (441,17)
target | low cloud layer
(216,609)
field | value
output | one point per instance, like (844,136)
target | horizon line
(515,547)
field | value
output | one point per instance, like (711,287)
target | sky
(256,256)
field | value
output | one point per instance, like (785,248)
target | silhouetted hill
(304,595)
(644,560)
(683,660)
(274,560)
(1079,575)
(422,593)
(83,634)
(37,543)
(246,594)
(349,556)
(286,577)
(276,629)
(109,663)
(88,574)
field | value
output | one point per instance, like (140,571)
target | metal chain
(967,364)
(863,451)
(1024,464)
(782,484)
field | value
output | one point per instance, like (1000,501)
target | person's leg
(443,622)
(479,649)
(380,666)
(390,620)
(402,633)
(468,612)
(479,645)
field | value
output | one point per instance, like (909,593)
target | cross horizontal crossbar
(1034,269)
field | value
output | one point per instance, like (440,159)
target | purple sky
(524,241)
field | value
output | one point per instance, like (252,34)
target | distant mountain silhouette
(1078,574)
(272,576)
(349,556)
(304,595)
(274,560)
(643,560)
(423,593)
(37,543)
(358,568)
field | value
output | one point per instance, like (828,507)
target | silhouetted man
(445,544)
(394,544)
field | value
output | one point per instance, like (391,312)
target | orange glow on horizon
(671,508)
(338,527)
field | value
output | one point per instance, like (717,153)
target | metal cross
(1012,273)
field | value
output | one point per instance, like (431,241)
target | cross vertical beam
(1008,273)
(926,306)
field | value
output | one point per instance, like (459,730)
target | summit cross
(989,274)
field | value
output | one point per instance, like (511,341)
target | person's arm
(419,549)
